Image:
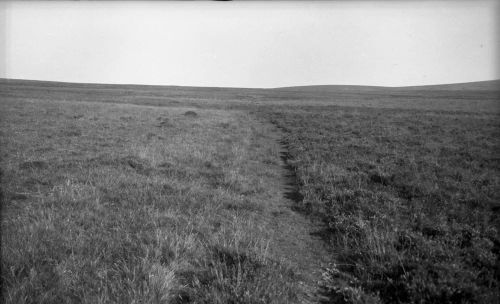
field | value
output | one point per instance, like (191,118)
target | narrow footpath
(297,236)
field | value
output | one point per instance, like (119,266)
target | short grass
(107,203)
(410,198)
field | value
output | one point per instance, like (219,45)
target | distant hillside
(473,97)
(332,88)
(161,95)
(104,86)
(491,85)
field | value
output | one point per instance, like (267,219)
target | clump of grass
(191,114)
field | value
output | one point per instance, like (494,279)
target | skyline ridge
(492,84)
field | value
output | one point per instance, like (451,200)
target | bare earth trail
(297,237)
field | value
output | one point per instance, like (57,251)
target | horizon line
(250,88)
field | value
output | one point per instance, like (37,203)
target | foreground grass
(106,203)
(411,200)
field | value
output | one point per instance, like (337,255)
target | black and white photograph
(250,152)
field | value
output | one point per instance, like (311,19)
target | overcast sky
(251,44)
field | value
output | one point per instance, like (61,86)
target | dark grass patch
(172,170)
(245,205)
(35,164)
(191,114)
(383,179)
(72,133)
(18,196)
(43,149)
(139,165)
(224,125)
(126,118)
(150,136)
(214,175)
(33,183)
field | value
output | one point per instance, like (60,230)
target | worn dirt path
(297,236)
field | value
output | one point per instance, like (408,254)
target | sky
(251,44)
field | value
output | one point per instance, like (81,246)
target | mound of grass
(191,114)
(408,197)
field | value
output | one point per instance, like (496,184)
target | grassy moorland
(142,194)
(410,197)
(107,203)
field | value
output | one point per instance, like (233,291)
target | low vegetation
(140,194)
(410,199)
(108,203)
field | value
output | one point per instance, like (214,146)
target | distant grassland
(479,97)
(111,194)
(411,200)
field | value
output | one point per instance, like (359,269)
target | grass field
(411,200)
(121,203)
(137,194)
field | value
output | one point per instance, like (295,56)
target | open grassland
(480,97)
(129,204)
(142,194)
(411,200)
